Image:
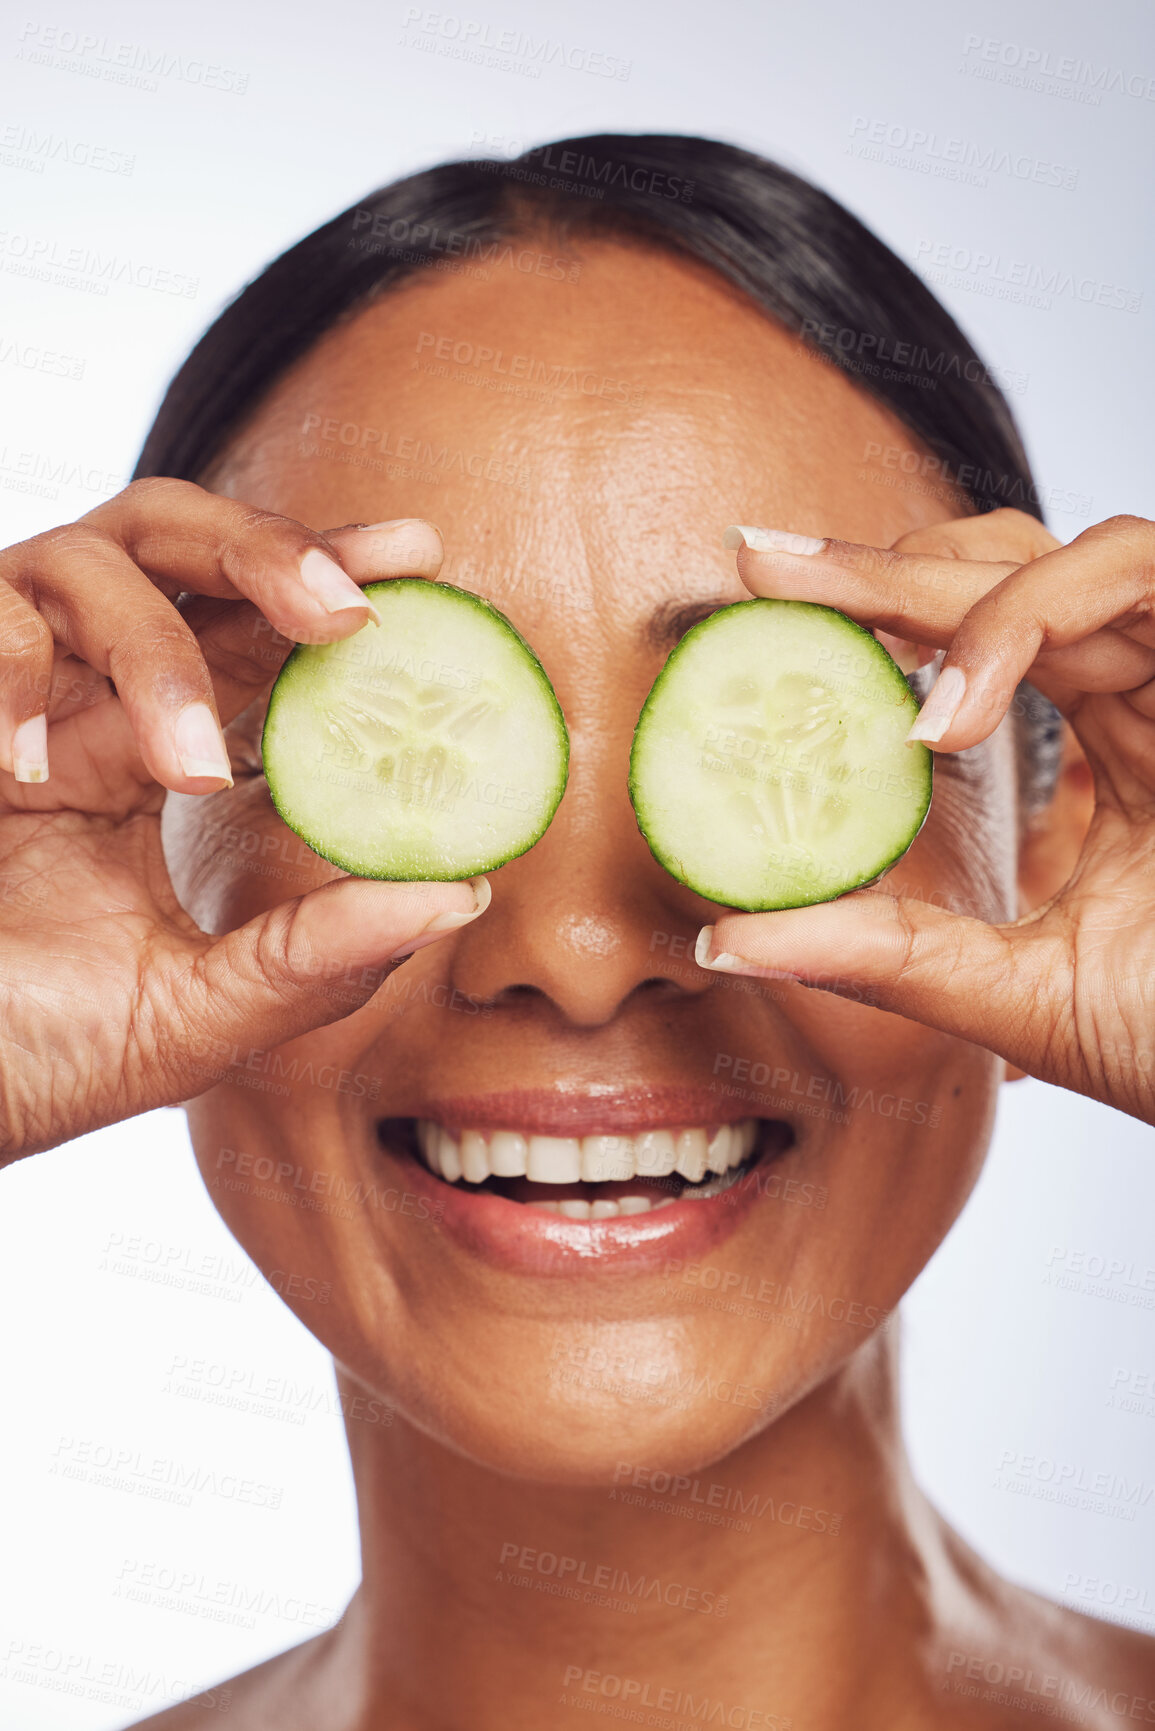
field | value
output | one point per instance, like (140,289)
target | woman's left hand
(1066,993)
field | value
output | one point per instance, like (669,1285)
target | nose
(587,919)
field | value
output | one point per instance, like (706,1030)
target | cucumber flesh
(769,766)
(429,748)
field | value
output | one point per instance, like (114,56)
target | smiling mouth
(596,1177)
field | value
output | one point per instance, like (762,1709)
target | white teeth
(507,1153)
(554,1160)
(476,1155)
(655,1153)
(474,1160)
(606,1158)
(574,1209)
(691,1159)
(448,1157)
(720,1149)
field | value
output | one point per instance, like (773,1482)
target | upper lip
(588,1111)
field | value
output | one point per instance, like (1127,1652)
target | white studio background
(206,138)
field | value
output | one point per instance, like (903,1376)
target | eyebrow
(669,623)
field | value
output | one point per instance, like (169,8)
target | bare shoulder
(1027,1658)
(278,1695)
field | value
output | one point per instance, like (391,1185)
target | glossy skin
(579,984)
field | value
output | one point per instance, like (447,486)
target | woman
(646,1467)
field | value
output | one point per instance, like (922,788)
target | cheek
(230,857)
(964,859)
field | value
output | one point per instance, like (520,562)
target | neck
(796,1580)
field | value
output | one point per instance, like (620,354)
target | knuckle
(149,489)
(1135,529)
(141,499)
(254,538)
(161,646)
(24,636)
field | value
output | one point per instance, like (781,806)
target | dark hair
(785,244)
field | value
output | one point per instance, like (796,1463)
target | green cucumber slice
(428,748)
(769,768)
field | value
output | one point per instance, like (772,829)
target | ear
(1053,838)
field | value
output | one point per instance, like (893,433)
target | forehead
(611,425)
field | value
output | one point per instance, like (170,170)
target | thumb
(946,970)
(308,962)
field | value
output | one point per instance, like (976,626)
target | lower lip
(526,1240)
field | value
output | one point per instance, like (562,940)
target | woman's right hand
(110,995)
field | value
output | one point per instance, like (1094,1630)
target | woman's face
(581,445)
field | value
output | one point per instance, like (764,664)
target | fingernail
(450,921)
(30,750)
(723,962)
(199,744)
(940,708)
(330,587)
(770,540)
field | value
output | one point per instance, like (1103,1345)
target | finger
(959,975)
(404,547)
(987,536)
(188,539)
(113,618)
(1097,594)
(305,963)
(109,615)
(913,595)
(244,652)
(1011,613)
(26,664)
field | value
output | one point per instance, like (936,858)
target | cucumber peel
(430,748)
(769,767)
